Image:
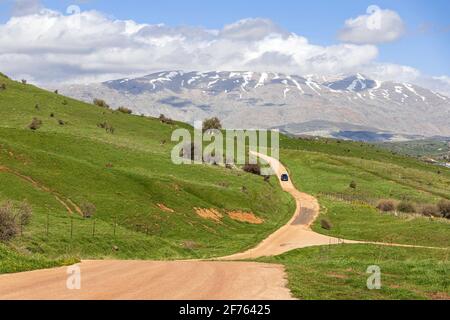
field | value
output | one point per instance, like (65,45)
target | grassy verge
(12,262)
(339,272)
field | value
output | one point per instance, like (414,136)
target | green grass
(339,272)
(13,262)
(327,173)
(74,162)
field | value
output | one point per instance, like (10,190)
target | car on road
(285,177)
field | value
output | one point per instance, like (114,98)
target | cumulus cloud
(90,46)
(377,26)
(49,47)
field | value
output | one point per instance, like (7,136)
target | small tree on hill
(212,124)
(101,103)
(35,124)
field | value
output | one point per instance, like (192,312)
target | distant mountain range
(351,107)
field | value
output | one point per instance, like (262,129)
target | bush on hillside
(35,124)
(326,224)
(56,92)
(8,226)
(444,208)
(64,102)
(252,168)
(386,205)
(125,110)
(165,120)
(101,103)
(61,122)
(13,218)
(406,207)
(108,128)
(24,81)
(88,209)
(353,185)
(3,86)
(430,211)
(212,124)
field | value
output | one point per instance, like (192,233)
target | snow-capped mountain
(267,100)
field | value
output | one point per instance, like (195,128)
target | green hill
(145,205)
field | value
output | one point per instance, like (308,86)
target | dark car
(284,177)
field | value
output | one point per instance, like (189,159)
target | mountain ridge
(278,99)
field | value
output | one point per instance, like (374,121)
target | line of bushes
(441,209)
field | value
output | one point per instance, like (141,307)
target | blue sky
(319,21)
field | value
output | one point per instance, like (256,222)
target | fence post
(48,222)
(71,227)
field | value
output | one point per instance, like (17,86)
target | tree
(212,124)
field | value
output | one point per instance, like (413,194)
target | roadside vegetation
(340,272)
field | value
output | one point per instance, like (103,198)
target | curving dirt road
(297,232)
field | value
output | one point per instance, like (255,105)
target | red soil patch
(164,208)
(247,217)
(210,214)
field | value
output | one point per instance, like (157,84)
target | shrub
(430,211)
(406,207)
(165,120)
(8,225)
(108,128)
(326,224)
(36,106)
(52,115)
(252,168)
(56,92)
(386,205)
(353,185)
(101,103)
(24,213)
(3,86)
(35,124)
(61,122)
(88,209)
(444,208)
(125,110)
(12,218)
(64,102)
(24,81)
(212,124)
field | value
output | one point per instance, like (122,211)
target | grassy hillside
(145,204)
(325,168)
(339,272)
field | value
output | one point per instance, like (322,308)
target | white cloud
(377,26)
(49,47)
(52,46)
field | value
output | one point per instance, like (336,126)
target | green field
(146,205)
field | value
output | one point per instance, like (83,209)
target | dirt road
(147,280)
(296,233)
